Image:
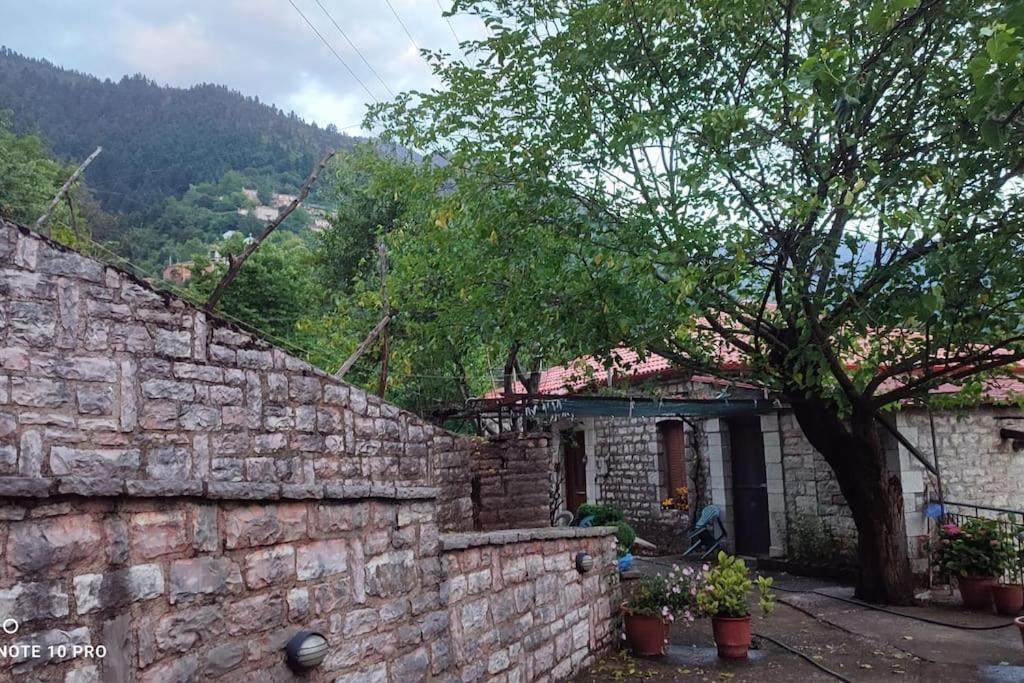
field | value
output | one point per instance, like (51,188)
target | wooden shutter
(672,452)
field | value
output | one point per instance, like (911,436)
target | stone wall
(110,380)
(187,496)
(631,474)
(518,607)
(194,590)
(509,482)
(977,466)
(811,487)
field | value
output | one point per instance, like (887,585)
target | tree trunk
(875,497)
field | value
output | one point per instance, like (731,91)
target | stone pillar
(721,472)
(776,484)
(912,476)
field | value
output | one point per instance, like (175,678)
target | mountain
(157,141)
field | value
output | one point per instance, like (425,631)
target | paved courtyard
(856,643)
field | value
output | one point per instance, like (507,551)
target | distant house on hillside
(265,213)
(632,434)
(280,200)
(178,273)
(251,194)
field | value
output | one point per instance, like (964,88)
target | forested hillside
(157,140)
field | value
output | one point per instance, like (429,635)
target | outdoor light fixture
(305,651)
(584,563)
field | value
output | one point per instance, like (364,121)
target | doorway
(749,487)
(574,464)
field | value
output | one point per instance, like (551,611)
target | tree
(827,189)
(272,293)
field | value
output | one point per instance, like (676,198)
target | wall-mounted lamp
(305,651)
(584,563)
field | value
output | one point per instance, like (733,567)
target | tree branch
(235,264)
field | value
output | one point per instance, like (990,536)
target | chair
(563,518)
(704,533)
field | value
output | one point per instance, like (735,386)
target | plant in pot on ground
(1008,593)
(725,599)
(974,552)
(656,602)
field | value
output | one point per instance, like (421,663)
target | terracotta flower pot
(976,591)
(1020,624)
(732,636)
(646,634)
(1009,598)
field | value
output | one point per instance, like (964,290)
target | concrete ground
(857,643)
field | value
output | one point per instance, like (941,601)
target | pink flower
(995,543)
(706,568)
(688,572)
(945,541)
(693,591)
(951,529)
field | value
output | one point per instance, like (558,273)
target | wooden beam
(891,428)
(385,351)
(64,188)
(363,345)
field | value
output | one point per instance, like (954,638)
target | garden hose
(803,656)
(878,608)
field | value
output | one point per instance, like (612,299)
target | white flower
(688,572)
(706,568)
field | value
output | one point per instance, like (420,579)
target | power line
(404,27)
(353,46)
(451,27)
(333,51)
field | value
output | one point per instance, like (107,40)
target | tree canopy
(831,188)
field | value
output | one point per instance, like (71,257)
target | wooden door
(575,468)
(749,487)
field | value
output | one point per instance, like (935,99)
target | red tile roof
(589,372)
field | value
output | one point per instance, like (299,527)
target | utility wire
(451,27)
(404,27)
(333,51)
(354,47)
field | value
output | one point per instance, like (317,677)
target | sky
(262,48)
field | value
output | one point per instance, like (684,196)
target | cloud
(258,47)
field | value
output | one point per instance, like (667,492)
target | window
(673,460)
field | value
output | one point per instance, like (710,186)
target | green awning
(599,406)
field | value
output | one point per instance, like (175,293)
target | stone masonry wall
(509,484)
(630,474)
(518,607)
(189,497)
(195,590)
(108,380)
(811,487)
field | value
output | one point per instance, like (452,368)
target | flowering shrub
(669,596)
(977,547)
(680,501)
(727,586)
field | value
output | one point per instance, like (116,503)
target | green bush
(625,535)
(604,515)
(812,540)
(727,587)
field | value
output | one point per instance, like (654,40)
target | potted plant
(725,599)
(654,605)
(680,500)
(975,553)
(1020,624)
(1008,595)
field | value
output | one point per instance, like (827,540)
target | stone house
(742,450)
